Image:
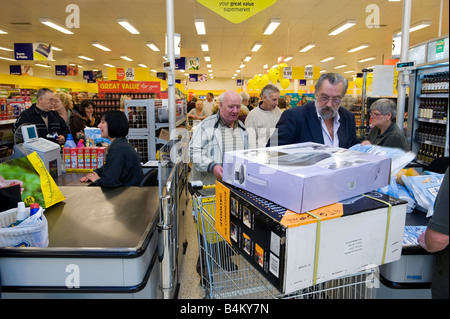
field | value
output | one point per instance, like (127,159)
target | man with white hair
(215,135)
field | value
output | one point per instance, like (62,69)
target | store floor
(190,287)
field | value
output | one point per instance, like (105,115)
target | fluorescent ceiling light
(125,58)
(238,70)
(342,27)
(307,47)
(152,46)
(210,71)
(242,66)
(142,65)
(56,48)
(359,47)
(351,71)
(204,47)
(415,27)
(367,59)
(308,66)
(153,70)
(273,24)
(55,26)
(340,66)
(7,59)
(124,23)
(200,26)
(101,47)
(5,48)
(208,65)
(207,58)
(256,46)
(323,71)
(3,31)
(85,58)
(328,59)
(288,58)
(109,65)
(247,58)
(420,25)
(42,65)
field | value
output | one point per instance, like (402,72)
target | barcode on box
(274,265)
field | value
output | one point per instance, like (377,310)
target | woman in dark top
(122,166)
(87,111)
(385,131)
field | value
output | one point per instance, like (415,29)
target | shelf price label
(309,72)
(129,74)
(287,72)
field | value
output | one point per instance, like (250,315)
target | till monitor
(29,133)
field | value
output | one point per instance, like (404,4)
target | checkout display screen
(31,132)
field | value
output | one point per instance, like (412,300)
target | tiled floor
(190,287)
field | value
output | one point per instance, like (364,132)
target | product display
(306,176)
(294,251)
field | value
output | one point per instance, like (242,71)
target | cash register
(49,152)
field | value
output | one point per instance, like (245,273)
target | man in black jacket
(322,121)
(46,120)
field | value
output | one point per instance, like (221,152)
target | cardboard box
(87,157)
(73,158)
(306,176)
(66,154)
(101,153)
(354,235)
(80,157)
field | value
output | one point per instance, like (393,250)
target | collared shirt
(326,135)
(231,138)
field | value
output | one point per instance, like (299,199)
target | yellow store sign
(237,11)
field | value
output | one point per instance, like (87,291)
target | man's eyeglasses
(375,114)
(323,98)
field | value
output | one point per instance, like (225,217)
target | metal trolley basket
(228,275)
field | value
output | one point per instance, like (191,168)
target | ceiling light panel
(101,47)
(127,25)
(153,46)
(204,47)
(271,27)
(200,26)
(49,23)
(256,46)
(358,48)
(307,47)
(342,27)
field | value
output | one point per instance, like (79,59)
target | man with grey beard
(321,121)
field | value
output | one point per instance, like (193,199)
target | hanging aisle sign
(237,11)
(33,51)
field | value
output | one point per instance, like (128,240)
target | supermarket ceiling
(302,22)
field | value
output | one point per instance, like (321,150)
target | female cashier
(122,166)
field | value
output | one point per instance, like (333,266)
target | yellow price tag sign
(237,11)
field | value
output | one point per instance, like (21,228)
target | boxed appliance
(294,251)
(305,176)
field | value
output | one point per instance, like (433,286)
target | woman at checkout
(122,166)
(385,131)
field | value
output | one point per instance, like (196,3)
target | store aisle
(190,287)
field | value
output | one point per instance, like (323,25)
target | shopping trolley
(225,274)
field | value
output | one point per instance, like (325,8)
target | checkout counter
(105,243)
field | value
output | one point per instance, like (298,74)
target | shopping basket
(225,274)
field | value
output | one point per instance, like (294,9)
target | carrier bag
(32,232)
(38,185)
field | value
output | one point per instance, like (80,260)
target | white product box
(354,235)
(305,176)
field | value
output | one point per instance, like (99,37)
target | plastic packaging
(80,143)
(21,214)
(34,208)
(70,142)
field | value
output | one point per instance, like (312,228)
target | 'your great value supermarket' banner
(237,11)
